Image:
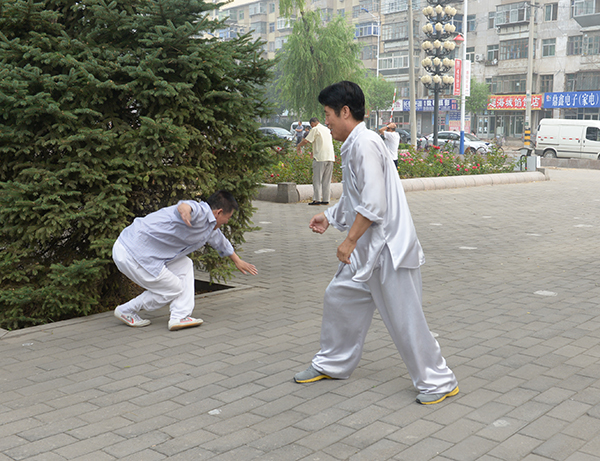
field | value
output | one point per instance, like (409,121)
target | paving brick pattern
(511,288)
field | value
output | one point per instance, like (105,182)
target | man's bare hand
(319,223)
(345,250)
(242,266)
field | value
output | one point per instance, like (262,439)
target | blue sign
(571,99)
(426,105)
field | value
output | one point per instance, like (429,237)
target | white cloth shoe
(184,323)
(133,320)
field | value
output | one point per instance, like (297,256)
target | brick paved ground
(511,287)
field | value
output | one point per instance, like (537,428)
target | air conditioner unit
(478,57)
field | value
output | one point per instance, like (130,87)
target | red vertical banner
(457,76)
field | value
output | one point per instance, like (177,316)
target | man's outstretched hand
(319,223)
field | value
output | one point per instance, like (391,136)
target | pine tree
(110,110)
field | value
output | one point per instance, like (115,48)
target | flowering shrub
(434,161)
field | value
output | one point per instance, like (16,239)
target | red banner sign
(514,102)
(457,76)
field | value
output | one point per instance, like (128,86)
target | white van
(568,138)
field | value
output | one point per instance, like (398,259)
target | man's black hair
(314,120)
(223,200)
(342,94)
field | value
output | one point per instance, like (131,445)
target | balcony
(587,13)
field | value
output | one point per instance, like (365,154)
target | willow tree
(317,54)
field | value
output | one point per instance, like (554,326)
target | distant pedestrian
(152,252)
(380,260)
(323,157)
(391,139)
(299,132)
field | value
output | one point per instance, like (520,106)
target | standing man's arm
(303,143)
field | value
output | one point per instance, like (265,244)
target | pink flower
(272,175)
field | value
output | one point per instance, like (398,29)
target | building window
(582,81)
(394,6)
(507,84)
(574,45)
(551,12)
(241,14)
(259,27)
(271,27)
(372,6)
(582,7)
(366,30)
(514,49)
(341,12)
(271,7)
(548,47)
(471,53)
(271,47)
(546,83)
(369,52)
(355,11)
(591,45)
(458,22)
(512,13)
(394,31)
(257,8)
(284,23)
(279,41)
(326,14)
(471,23)
(492,52)
(492,20)
(396,60)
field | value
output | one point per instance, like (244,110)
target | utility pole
(411,77)
(529,83)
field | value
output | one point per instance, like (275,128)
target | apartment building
(565,68)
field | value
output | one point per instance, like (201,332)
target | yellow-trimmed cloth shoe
(310,375)
(430,399)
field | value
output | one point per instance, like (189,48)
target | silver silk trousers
(396,293)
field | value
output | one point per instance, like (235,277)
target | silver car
(472,143)
(277,132)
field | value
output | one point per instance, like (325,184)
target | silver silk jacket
(372,187)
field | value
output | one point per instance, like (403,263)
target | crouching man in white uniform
(379,259)
(152,252)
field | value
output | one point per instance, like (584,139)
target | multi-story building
(565,69)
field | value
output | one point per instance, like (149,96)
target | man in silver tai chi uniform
(380,260)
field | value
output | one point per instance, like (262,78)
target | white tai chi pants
(174,284)
(322,172)
(396,293)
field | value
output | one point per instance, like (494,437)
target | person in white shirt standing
(152,252)
(323,157)
(391,139)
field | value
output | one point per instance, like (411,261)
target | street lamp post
(438,30)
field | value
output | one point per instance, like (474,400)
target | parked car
(568,138)
(277,132)
(472,143)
